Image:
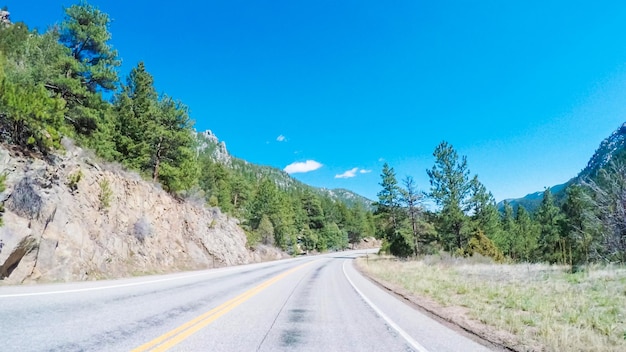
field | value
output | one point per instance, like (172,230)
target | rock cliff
(69,218)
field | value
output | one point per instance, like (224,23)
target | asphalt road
(316,303)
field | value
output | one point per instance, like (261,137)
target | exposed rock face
(59,229)
(4,18)
(368,243)
(208,140)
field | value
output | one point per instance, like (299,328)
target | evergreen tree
(525,235)
(136,107)
(411,199)
(266,230)
(89,69)
(85,32)
(579,227)
(313,209)
(506,238)
(32,117)
(550,245)
(171,146)
(485,215)
(388,205)
(450,190)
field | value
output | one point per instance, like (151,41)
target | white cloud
(363,171)
(280,138)
(309,165)
(348,174)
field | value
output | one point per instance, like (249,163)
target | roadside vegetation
(546,306)
(64,84)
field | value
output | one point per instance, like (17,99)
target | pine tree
(85,32)
(412,199)
(506,238)
(579,227)
(549,217)
(136,108)
(171,146)
(485,215)
(33,118)
(266,230)
(524,236)
(450,190)
(89,69)
(388,205)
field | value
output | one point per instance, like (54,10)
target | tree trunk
(157,162)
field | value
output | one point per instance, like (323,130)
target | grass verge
(544,307)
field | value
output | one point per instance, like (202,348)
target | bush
(384,247)
(401,247)
(481,244)
(105,194)
(24,200)
(73,179)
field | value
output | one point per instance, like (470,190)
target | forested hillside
(587,225)
(65,83)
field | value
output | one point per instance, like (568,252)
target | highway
(316,303)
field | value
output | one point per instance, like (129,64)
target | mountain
(207,140)
(611,148)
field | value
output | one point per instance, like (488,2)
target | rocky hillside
(611,148)
(207,140)
(69,218)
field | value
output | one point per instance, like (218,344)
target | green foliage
(73,179)
(106,194)
(579,229)
(450,190)
(31,116)
(551,245)
(388,206)
(481,244)
(85,32)
(401,246)
(266,230)
(52,85)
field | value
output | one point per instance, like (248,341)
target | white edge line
(101,288)
(416,345)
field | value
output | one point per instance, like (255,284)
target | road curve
(318,303)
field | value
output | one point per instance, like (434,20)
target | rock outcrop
(69,218)
(5,18)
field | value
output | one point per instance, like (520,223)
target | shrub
(73,179)
(105,194)
(482,245)
(384,247)
(24,200)
(401,247)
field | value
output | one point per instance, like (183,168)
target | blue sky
(526,90)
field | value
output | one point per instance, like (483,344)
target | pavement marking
(179,334)
(103,287)
(416,345)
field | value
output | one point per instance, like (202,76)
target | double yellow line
(176,336)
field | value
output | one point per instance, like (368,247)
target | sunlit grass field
(546,307)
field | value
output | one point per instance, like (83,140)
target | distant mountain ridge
(610,148)
(207,140)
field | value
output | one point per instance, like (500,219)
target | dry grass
(540,304)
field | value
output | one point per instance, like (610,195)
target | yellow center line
(189,328)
